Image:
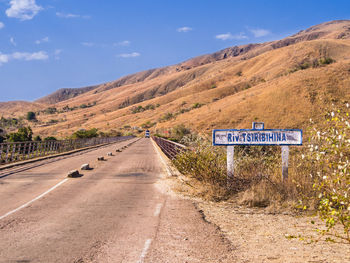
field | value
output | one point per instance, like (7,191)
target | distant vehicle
(147,134)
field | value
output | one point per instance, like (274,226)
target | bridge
(116,211)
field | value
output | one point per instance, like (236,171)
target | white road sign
(258,137)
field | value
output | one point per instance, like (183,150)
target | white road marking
(157,211)
(35,199)
(145,250)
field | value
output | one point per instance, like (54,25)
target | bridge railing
(170,148)
(20,151)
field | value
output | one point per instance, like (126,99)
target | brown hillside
(283,83)
(330,30)
(18,108)
(64,94)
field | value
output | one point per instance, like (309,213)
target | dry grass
(257,180)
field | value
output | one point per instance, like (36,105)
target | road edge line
(145,250)
(33,200)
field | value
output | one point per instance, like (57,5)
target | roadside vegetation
(25,133)
(318,182)
(10,123)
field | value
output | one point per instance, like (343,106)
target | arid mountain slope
(283,83)
(64,94)
(330,30)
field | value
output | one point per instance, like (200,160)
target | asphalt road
(113,213)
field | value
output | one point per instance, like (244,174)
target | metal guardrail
(170,149)
(20,151)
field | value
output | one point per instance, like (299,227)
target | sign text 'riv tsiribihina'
(257,137)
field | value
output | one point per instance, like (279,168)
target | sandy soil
(260,236)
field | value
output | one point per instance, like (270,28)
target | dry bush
(257,179)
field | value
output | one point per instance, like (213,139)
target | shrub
(137,109)
(312,63)
(204,163)
(197,105)
(30,116)
(329,152)
(325,61)
(148,124)
(114,133)
(23,134)
(256,179)
(50,138)
(51,110)
(180,131)
(167,116)
(85,134)
(150,107)
(37,138)
(52,121)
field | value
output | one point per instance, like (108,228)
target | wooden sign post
(257,136)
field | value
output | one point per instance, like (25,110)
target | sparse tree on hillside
(31,116)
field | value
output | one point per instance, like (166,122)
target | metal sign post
(230,161)
(285,162)
(257,136)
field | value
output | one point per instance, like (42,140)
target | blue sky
(46,45)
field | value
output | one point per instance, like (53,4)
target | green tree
(85,134)
(23,134)
(31,116)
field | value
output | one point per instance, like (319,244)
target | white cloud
(259,32)
(43,40)
(130,55)
(184,29)
(23,9)
(3,59)
(88,44)
(12,41)
(229,36)
(41,55)
(122,43)
(26,56)
(69,15)
(2,25)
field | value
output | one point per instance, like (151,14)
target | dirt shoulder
(257,234)
(260,236)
